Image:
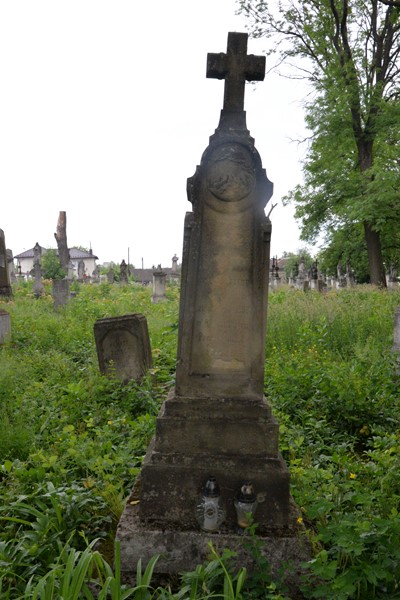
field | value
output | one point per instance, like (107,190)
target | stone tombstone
(5,284)
(123,346)
(96,274)
(61,293)
(396,334)
(10,263)
(70,271)
(110,275)
(216,421)
(81,270)
(123,273)
(174,268)
(159,285)
(5,326)
(37,272)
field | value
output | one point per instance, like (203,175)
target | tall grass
(72,441)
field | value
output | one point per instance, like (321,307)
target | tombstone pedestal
(233,440)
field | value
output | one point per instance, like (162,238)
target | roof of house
(74,253)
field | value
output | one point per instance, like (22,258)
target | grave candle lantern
(245,503)
(210,512)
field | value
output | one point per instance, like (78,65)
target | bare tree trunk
(61,238)
(375,259)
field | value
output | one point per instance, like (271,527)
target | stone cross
(236,67)
(216,420)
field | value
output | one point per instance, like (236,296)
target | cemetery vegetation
(72,442)
(348,53)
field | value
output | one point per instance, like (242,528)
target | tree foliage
(51,265)
(349,52)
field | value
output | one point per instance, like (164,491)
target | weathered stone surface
(396,332)
(123,346)
(159,286)
(5,285)
(5,326)
(60,292)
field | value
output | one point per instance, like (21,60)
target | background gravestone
(123,346)
(5,326)
(60,292)
(396,339)
(5,285)
(123,273)
(11,268)
(159,285)
(37,272)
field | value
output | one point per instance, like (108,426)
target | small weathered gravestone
(11,268)
(5,285)
(81,270)
(159,285)
(60,293)
(174,268)
(37,272)
(215,430)
(123,273)
(123,346)
(110,275)
(396,334)
(5,326)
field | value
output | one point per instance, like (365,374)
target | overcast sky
(105,112)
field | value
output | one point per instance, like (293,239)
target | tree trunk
(61,238)
(372,238)
(375,259)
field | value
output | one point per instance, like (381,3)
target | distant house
(25,261)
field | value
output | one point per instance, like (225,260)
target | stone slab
(5,326)
(123,346)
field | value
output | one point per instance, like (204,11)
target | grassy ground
(72,441)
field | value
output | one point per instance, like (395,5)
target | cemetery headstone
(37,272)
(216,428)
(174,268)
(70,271)
(396,335)
(11,268)
(159,285)
(81,270)
(123,346)
(391,276)
(60,292)
(5,284)
(96,274)
(5,326)
(123,273)
(110,275)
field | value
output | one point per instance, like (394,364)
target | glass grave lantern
(245,504)
(210,512)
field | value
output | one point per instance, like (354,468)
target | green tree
(348,50)
(51,265)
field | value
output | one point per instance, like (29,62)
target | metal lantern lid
(211,488)
(247,494)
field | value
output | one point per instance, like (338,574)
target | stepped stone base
(182,550)
(234,440)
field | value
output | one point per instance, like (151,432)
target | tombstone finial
(236,67)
